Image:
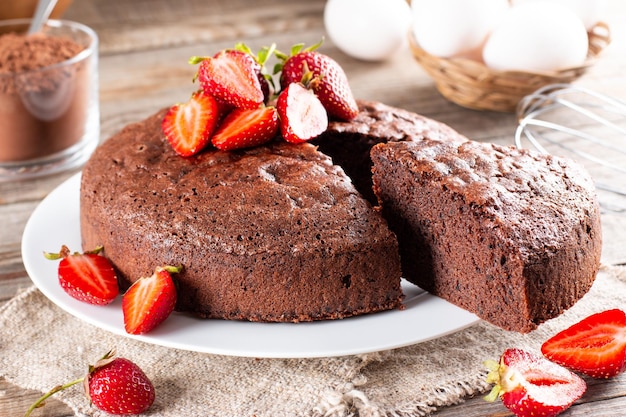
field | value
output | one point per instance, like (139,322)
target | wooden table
(143,67)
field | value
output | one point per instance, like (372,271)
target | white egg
(590,11)
(371,30)
(449,28)
(537,36)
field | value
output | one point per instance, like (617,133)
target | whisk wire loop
(577,122)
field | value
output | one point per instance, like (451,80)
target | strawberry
(119,386)
(302,115)
(114,385)
(149,301)
(188,126)
(244,128)
(265,79)
(531,385)
(87,277)
(595,346)
(231,76)
(328,80)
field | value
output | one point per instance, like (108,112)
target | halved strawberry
(87,277)
(231,76)
(302,115)
(531,385)
(188,126)
(595,346)
(328,80)
(244,128)
(149,301)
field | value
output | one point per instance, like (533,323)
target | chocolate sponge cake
(282,232)
(511,235)
(272,233)
(350,143)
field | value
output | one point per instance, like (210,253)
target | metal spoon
(44,8)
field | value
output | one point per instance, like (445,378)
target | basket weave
(473,85)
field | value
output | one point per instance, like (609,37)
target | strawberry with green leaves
(231,110)
(264,77)
(87,277)
(595,346)
(302,115)
(149,300)
(244,128)
(531,385)
(328,79)
(114,385)
(188,127)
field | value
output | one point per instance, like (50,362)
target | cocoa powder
(20,52)
(43,107)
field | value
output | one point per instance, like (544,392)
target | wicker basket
(471,84)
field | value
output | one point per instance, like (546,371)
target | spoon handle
(44,8)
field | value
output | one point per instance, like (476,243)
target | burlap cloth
(43,346)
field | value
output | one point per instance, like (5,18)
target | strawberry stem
(295,50)
(41,401)
(65,252)
(314,46)
(194,60)
(265,53)
(171,269)
(95,251)
(493,377)
(108,357)
(493,394)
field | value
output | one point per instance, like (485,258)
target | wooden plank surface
(144,49)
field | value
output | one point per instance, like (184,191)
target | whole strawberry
(261,57)
(87,277)
(328,80)
(113,384)
(119,386)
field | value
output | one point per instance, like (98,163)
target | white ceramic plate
(56,222)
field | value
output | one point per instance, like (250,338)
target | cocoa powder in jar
(43,96)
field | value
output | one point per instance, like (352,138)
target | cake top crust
(520,192)
(393,124)
(249,201)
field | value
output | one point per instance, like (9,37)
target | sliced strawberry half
(231,76)
(88,277)
(302,115)
(595,346)
(244,128)
(188,126)
(531,385)
(149,301)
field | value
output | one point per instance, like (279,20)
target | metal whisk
(571,121)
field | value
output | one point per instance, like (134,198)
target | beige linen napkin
(43,346)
